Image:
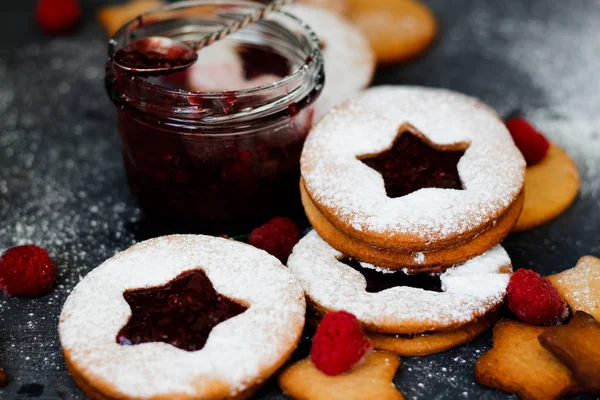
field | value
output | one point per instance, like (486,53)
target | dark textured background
(62,185)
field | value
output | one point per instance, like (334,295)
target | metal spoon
(158,55)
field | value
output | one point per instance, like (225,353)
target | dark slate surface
(62,185)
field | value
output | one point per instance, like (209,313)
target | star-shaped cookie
(577,346)
(580,286)
(370,381)
(519,364)
(181,312)
(413,163)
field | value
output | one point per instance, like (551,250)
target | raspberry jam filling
(182,313)
(412,164)
(259,61)
(219,177)
(379,281)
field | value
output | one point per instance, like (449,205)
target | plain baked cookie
(580,286)
(239,354)
(355,197)
(394,302)
(397,29)
(519,364)
(551,186)
(348,57)
(372,380)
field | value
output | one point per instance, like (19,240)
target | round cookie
(352,196)
(551,186)
(468,291)
(347,55)
(433,342)
(398,30)
(432,261)
(239,353)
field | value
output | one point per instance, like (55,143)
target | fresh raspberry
(533,145)
(339,343)
(26,271)
(534,299)
(57,16)
(277,237)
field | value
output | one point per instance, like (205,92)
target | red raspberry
(533,145)
(534,299)
(339,343)
(57,16)
(277,237)
(26,271)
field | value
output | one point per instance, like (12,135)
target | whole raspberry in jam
(26,271)
(532,144)
(277,237)
(339,343)
(57,16)
(534,299)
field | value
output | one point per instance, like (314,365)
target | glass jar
(220,161)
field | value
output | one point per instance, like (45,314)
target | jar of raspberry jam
(217,146)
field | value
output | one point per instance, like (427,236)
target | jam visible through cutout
(412,164)
(380,281)
(182,313)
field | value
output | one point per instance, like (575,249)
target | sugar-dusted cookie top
(245,348)
(352,194)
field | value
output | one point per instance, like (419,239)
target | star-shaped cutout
(413,163)
(378,281)
(182,313)
(576,346)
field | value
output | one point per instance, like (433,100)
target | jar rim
(310,62)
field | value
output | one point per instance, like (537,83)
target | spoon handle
(275,5)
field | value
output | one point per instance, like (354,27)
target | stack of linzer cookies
(410,191)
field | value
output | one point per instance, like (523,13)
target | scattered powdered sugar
(491,170)
(469,290)
(376,268)
(347,54)
(237,350)
(580,286)
(568,77)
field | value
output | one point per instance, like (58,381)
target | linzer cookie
(348,57)
(449,309)
(410,177)
(184,317)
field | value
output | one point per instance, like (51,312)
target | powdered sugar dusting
(376,268)
(237,350)
(580,286)
(348,57)
(420,258)
(469,290)
(569,82)
(491,170)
